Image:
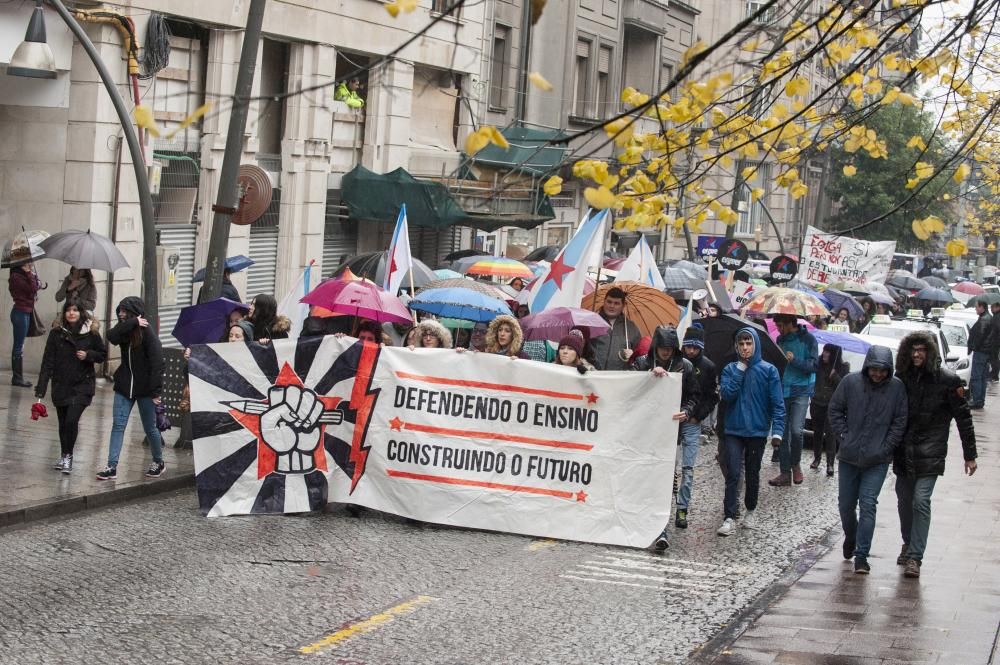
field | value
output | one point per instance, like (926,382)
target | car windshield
(897,332)
(956,334)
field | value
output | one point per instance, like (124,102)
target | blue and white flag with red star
(640,266)
(398,261)
(562,284)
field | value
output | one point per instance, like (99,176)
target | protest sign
(470,440)
(732,254)
(783,269)
(828,258)
(741,294)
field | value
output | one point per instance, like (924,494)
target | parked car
(955,357)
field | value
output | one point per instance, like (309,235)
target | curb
(711,650)
(76,504)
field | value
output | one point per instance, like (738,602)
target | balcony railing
(649,15)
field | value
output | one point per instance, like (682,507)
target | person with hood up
(935,396)
(570,352)
(504,337)
(707,378)
(798,383)
(267,323)
(665,356)
(868,416)
(755,408)
(431,335)
(240,331)
(832,369)
(613,350)
(138,380)
(71,351)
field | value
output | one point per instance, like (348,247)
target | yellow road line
(545,543)
(367,625)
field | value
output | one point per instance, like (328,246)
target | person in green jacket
(348,93)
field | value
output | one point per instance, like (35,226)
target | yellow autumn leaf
(599,197)
(787,178)
(912,182)
(919,230)
(476,141)
(916,142)
(749,173)
(798,190)
(144,118)
(553,185)
(924,170)
(956,247)
(850,170)
(962,172)
(857,97)
(186,122)
(397,6)
(539,81)
(933,224)
(756,193)
(797,86)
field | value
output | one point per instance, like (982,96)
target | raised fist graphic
(291,427)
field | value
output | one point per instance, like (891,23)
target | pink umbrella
(971,288)
(555,323)
(359,298)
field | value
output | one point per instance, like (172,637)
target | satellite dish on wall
(255,194)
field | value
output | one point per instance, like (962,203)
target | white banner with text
(828,259)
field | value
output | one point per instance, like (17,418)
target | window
(499,66)
(666,73)
(603,80)
(754,214)
(581,84)
(441,6)
(754,5)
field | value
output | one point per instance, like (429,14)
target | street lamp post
(757,235)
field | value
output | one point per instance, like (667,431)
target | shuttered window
(184,237)
(264,252)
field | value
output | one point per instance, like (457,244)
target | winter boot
(17,367)
(780,480)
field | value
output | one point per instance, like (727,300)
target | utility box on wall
(168,258)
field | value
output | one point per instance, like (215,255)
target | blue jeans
(860,486)
(690,437)
(790,451)
(147,412)
(913,500)
(20,321)
(980,371)
(739,450)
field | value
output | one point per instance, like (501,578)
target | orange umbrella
(500,266)
(645,306)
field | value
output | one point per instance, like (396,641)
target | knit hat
(695,336)
(574,340)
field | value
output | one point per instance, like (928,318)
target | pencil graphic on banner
(258,408)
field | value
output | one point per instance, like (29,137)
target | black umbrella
(720,338)
(986,299)
(936,282)
(543,253)
(371,266)
(462,253)
(903,279)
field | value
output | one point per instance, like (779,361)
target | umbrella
(24,247)
(645,306)
(986,298)
(371,266)
(537,268)
(544,253)
(720,336)
(555,323)
(805,288)
(465,283)
(457,323)
(677,279)
(614,264)
(840,300)
(691,269)
(855,288)
(463,253)
(780,300)
(360,298)
(971,288)
(83,249)
(456,303)
(498,266)
(935,281)
(904,279)
(446,273)
(205,323)
(233,264)
(935,295)
(881,299)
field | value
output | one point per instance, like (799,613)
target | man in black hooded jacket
(665,356)
(935,396)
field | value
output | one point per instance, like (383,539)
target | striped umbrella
(500,266)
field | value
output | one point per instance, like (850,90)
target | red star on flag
(592,398)
(396,425)
(581,497)
(558,270)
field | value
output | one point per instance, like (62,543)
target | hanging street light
(33,57)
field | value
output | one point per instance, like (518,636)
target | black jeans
(739,452)
(995,365)
(823,436)
(69,425)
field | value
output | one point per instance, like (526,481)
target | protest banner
(471,440)
(828,258)
(741,294)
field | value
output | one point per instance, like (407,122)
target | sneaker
(67,465)
(661,543)
(749,520)
(797,474)
(109,473)
(861,566)
(156,470)
(727,528)
(829,472)
(780,480)
(977,407)
(902,558)
(848,549)
(815,464)
(912,568)
(57,465)
(681,521)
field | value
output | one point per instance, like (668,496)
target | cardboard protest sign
(471,440)
(828,258)
(741,294)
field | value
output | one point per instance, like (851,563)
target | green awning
(529,151)
(376,197)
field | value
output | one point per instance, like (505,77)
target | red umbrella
(555,323)
(971,288)
(360,298)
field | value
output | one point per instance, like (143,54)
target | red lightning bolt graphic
(363,402)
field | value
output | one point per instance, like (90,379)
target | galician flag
(562,284)
(398,261)
(640,266)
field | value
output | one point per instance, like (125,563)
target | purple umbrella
(205,323)
(555,323)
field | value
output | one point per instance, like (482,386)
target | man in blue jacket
(755,408)
(797,384)
(868,416)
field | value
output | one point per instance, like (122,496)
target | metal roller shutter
(183,236)
(264,252)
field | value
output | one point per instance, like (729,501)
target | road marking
(367,625)
(542,544)
(648,571)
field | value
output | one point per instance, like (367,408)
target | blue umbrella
(455,303)
(447,273)
(205,323)
(233,264)
(846,341)
(839,300)
(934,295)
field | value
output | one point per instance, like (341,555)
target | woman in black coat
(71,351)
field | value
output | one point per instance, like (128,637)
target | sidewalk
(951,614)
(32,490)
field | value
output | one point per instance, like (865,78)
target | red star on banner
(392,265)
(581,497)
(266,458)
(592,398)
(558,270)
(396,425)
